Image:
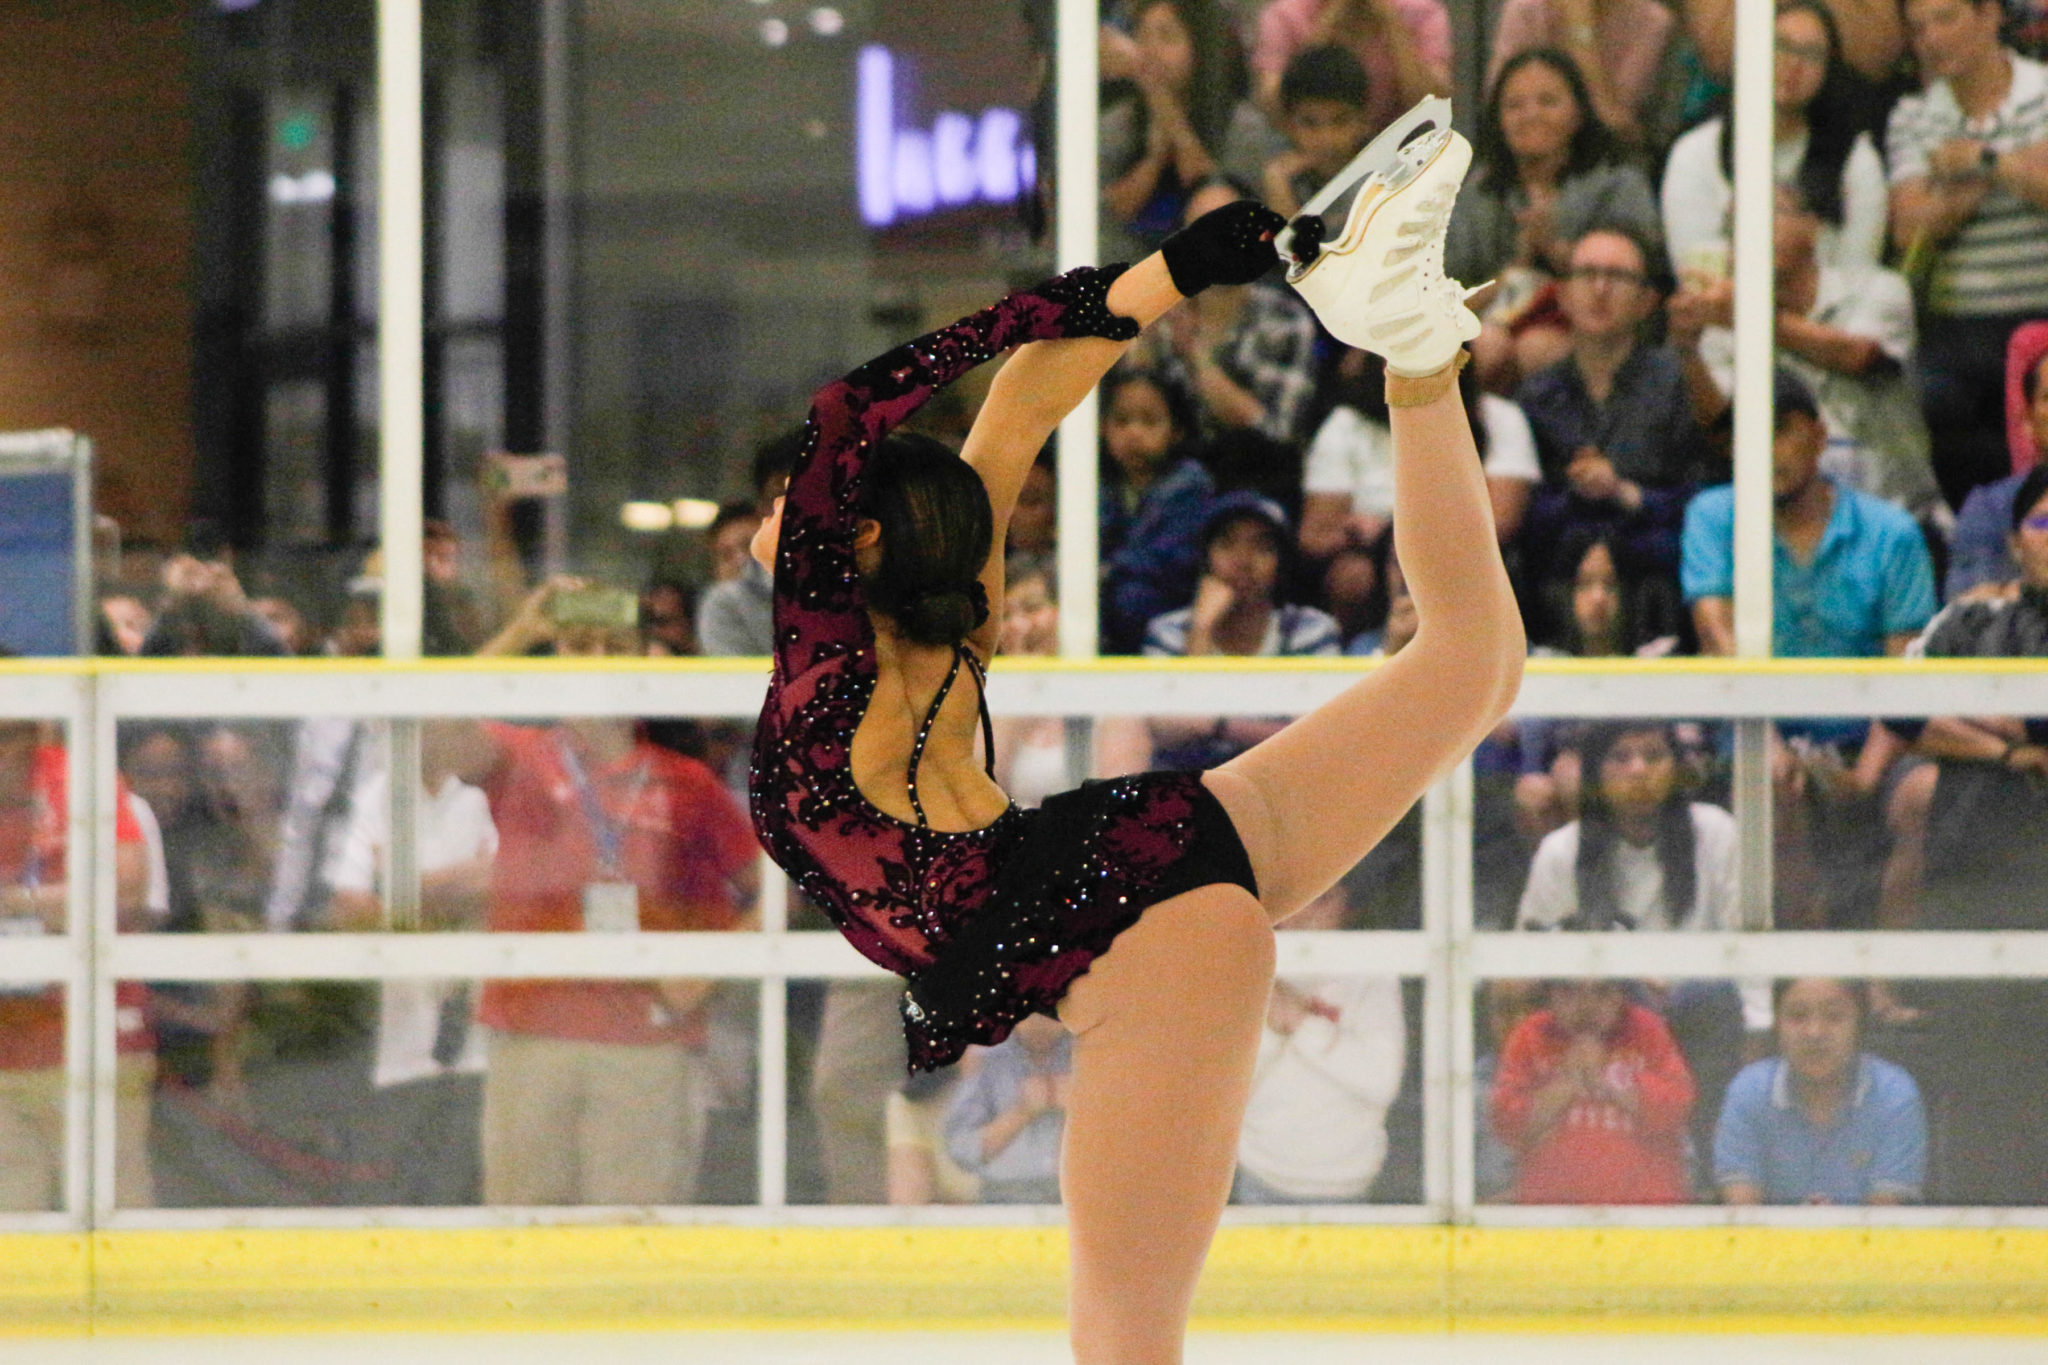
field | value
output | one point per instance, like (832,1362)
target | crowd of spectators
(1246,509)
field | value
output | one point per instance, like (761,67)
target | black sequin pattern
(904,894)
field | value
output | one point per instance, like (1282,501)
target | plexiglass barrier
(414,945)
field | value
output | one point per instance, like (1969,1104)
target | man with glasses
(1969,173)
(1615,431)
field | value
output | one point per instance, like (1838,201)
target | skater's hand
(1230,245)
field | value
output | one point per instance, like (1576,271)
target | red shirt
(1598,1152)
(32,849)
(683,840)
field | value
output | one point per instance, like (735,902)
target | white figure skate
(1380,284)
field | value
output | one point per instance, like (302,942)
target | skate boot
(1380,284)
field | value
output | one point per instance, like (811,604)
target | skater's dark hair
(937,528)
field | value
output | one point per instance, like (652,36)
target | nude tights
(1167,1022)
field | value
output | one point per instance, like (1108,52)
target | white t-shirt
(1353,455)
(1552,895)
(1316,1126)
(1877,437)
(1698,203)
(454,827)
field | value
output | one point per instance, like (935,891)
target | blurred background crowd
(621,335)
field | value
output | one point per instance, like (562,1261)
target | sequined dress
(991,924)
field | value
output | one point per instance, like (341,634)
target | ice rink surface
(1022,1349)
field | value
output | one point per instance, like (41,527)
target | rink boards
(1302,1278)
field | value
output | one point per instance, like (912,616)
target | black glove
(1231,245)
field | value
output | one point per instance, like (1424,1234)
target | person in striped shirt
(1969,175)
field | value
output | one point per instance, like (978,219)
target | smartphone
(610,608)
(526,476)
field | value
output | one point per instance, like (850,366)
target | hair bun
(944,615)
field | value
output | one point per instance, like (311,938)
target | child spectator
(1970,211)
(1546,171)
(1189,122)
(1403,45)
(1819,147)
(1325,113)
(1593,1097)
(1245,351)
(1608,608)
(1823,1122)
(1032,543)
(1330,1062)
(1622,47)
(1848,335)
(1504,1002)
(1154,500)
(1007,1119)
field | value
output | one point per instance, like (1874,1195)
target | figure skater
(1137,911)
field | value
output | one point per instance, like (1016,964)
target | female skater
(1162,888)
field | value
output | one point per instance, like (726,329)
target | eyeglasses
(1608,274)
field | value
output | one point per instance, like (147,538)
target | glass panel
(282,825)
(34,817)
(1799,1091)
(413,1093)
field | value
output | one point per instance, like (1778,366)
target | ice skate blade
(1381,156)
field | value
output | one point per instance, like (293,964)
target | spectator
(34,902)
(730,534)
(1873,46)
(1621,47)
(921,1170)
(1404,46)
(668,617)
(1615,430)
(1980,551)
(1032,543)
(1402,619)
(600,831)
(1235,612)
(1188,123)
(1986,867)
(1848,335)
(1155,497)
(1851,576)
(126,621)
(451,621)
(1504,1002)
(1330,1062)
(1593,1097)
(1640,855)
(1609,608)
(294,635)
(1246,352)
(1823,1122)
(1969,173)
(1348,483)
(1006,1120)
(204,611)
(1325,111)
(1547,172)
(733,615)
(428,1070)
(1820,148)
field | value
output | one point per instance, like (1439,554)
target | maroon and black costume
(989,925)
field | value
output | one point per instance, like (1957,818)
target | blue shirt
(1870,576)
(1980,548)
(1151,552)
(1033,1156)
(1877,1146)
